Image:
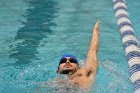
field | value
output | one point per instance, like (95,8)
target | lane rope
(130,42)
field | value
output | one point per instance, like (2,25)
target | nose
(67,62)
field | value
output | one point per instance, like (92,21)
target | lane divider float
(130,42)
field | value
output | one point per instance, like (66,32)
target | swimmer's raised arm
(92,56)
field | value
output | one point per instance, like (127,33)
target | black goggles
(64,60)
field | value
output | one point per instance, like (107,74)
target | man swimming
(82,77)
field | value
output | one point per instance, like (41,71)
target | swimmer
(83,77)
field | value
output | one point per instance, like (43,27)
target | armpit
(89,71)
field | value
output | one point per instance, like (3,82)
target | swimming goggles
(71,60)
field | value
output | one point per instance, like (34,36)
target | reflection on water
(36,27)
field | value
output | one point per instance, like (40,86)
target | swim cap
(71,56)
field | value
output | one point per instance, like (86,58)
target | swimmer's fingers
(97,26)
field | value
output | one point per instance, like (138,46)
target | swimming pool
(36,33)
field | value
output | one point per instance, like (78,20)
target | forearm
(92,56)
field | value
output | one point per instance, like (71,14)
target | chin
(67,71)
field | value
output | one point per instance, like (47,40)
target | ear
(58,71)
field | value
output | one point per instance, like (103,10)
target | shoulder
(87,70)
(82,78)
(84,72)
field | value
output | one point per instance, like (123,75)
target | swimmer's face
(67,65)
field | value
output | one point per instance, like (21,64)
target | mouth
(67,66)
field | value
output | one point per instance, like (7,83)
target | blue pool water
(36,33)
